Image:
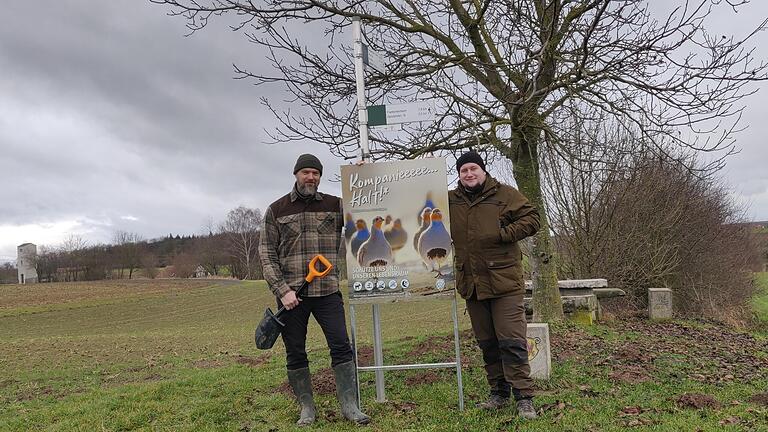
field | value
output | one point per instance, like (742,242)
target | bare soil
(252,361)
(323,383)
(697,401)
(760,399)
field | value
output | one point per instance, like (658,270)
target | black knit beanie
(308,161)
(470,156)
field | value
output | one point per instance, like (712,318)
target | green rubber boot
(301,383)
(346,391)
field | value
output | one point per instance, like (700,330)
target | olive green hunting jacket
(486,230)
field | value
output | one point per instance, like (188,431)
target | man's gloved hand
(290,300)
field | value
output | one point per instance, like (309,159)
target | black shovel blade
(268,330)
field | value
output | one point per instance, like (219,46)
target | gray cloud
(111,119)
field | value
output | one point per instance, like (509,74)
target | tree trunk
(547,305)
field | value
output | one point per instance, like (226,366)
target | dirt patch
(422,378)
(8,383)
(252,361)
(365,355)
(34,393)
(152,377)
(633,353)
(208,364)
(573,343)
(630,374)
(432,345)
(444,348)
(697,401)
(323,383)
(760,399)
(403,407)
(637,350)
(705,351)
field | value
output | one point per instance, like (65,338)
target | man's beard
(307,189)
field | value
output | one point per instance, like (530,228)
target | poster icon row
(380,285)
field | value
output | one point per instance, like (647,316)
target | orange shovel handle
(314,272)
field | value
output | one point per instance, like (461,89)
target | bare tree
(212,252)
(128,251)
(647,221)
(184,264)
(47,262)
(149,263)
(241,230)
(72,251)
(582,212)
(94,263)
(8,273)
(510,78)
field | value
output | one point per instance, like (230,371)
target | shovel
(271,326)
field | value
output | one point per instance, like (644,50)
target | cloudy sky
(111,119)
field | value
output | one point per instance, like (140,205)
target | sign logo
(440,284)
(533,347)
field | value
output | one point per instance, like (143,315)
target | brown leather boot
(496,401)
(525,409)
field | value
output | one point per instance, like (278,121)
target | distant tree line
(228,249)
(8,273)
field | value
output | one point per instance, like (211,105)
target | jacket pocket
(505,276)
(326,223)
(290,230)
(461,283)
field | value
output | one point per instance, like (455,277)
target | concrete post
(659,303)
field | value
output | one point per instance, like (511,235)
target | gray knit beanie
(308,161)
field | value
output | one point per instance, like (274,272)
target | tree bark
(547,305)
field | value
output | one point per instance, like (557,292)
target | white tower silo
(25,262)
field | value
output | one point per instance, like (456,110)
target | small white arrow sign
(373,59)
(379,115)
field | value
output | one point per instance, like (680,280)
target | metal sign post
(379,368)
(393,114)
(362,117)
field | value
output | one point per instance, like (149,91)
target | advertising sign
(397,230)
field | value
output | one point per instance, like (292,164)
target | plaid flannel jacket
(294,232)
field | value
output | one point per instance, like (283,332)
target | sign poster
(397,232)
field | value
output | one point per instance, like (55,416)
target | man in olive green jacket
(488,218)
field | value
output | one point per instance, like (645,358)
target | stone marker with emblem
(539,353)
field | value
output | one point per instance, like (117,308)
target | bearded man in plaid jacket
(297,227)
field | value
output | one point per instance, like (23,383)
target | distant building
(200,272)
(25,263)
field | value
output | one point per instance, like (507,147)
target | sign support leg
(457,344)
(378,354)
(353,325)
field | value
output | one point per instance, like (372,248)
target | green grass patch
(180,356)
(760,301)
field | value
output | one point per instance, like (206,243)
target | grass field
(760,302)
(178,355)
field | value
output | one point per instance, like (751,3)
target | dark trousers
(329,313)
(500,329)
